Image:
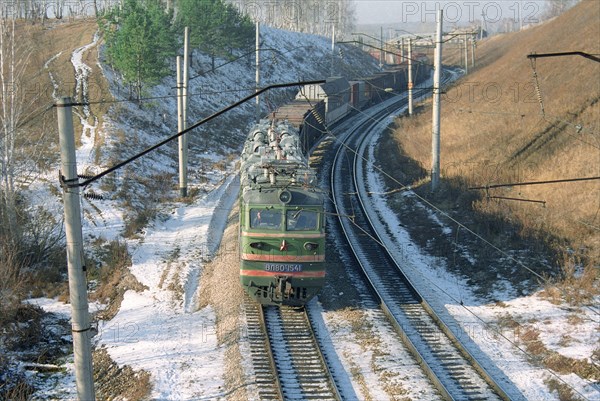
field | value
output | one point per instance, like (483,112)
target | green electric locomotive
(282,227)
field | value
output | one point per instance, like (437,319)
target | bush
(32,256)
(12,279)
(577,285)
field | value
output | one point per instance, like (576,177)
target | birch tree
(557,7)
(10,71)
(27,235)
(310,16)
(21,145)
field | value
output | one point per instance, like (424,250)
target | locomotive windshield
(269,219)
(301,220)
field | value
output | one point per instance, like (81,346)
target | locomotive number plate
(283,267)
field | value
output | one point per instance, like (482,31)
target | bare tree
(9,115)
(557,7)
(17,153)
(310,16)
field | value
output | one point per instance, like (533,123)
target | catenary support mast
(435,141)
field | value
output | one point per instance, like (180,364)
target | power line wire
(433,206)
(193,126)
(485,323)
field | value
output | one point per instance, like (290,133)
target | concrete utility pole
(466,54)
(402,57)
(473,50)
(483,24)
(410,79)
(381,50)
(331,71)
(80,318)
(435,140)
(183,140)
(257,70)
(180,140)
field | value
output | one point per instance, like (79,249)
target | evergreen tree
(215,27)
(139,41)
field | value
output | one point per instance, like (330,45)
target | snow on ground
(574,333)
(160,329)
(88,136)
(52,80)
(57,385)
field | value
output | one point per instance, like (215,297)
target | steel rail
(447,393)
(286,355)
(359,157)
(267,380)
(299,362)
(403,335)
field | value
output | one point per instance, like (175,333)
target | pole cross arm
(561,54)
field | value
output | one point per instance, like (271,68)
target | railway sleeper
(315,383)
(472,394)
(316,371)
(318,395)
(454,364)
(311,366)
(268,396)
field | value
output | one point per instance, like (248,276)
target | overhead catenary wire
(437,209)
(486,324)
(151,98)
(532,58)
(578,127)
(190,128)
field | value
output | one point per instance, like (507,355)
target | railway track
(287,360)
(451,368)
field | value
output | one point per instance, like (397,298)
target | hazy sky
(455,11)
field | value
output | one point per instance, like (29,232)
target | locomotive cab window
(269,219)
(301,220)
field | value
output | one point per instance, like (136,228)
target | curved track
(455,372)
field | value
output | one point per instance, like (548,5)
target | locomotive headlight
(257,245)
(310,246)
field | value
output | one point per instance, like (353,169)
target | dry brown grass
(113,276)
(493,132)
(43,43)
(558,363)
(564,392)
(577,285)
(114,382)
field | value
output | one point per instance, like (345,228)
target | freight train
(317,107)
(282,227)
(281,219)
